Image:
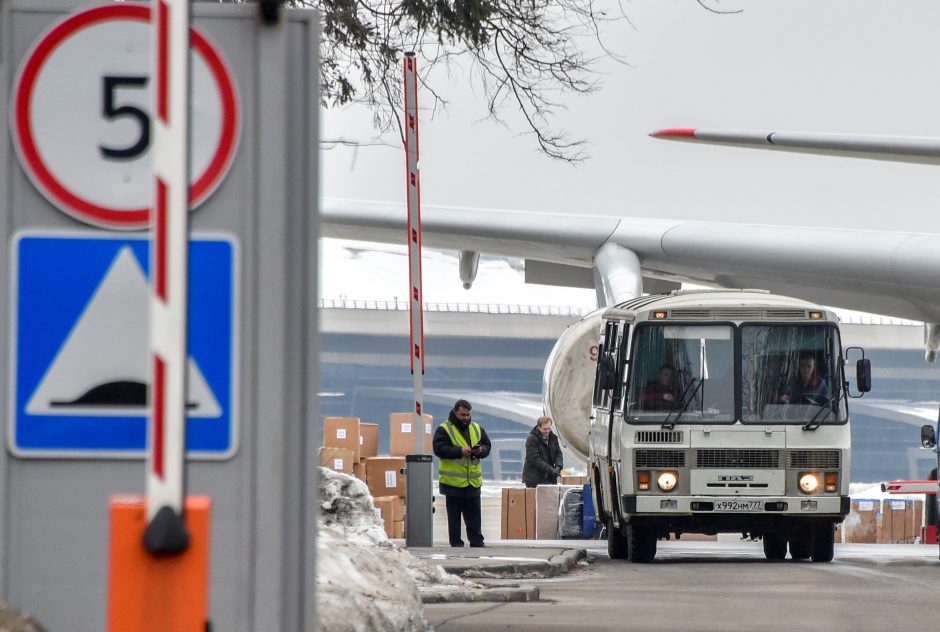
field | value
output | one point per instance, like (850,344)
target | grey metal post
(258,232)
(419,506)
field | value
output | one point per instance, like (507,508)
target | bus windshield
(681,374)
(791,374)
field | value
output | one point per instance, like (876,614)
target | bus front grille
(813,459)
(659,458)
(659,436)
(737,458)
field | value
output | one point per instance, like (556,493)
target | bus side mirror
(928,438)
(863,375)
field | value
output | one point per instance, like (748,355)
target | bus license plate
(739,505)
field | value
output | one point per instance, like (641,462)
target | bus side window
(620,389)
(598,375)
(607,373)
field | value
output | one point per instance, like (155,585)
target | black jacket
(541,458)
(444,449)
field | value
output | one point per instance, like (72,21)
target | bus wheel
(801,545)
(616,542)
(775,546)
(823,542)
(642,543)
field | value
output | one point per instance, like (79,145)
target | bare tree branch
(524,54)
(714,10)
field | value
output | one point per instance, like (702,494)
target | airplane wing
(891,273)
(910,149)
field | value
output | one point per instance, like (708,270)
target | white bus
(721,411)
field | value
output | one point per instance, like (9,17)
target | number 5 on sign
(110,111)
(82,120)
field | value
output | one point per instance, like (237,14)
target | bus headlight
(809,483)
(667,481)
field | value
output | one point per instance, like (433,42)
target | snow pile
(13,621)
(364,582)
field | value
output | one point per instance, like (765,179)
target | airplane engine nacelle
(568,383)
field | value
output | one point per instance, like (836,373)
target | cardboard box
(518,514)
(368,440)
(899,520)
(530,513)
(394,504)
(337,459)
(513,524)
(359,470)
(918,522)
(401,431)
(547,498)
(573,480)
(861,525)
(398,530)
(342,432)
(383,511)
(895,518)
(384,475)
(390,510)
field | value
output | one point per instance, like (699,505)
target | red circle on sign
(59,194)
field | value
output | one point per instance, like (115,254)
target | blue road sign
(80,345)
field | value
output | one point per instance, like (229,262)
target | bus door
(608,399)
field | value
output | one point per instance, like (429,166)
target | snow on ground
(364,582)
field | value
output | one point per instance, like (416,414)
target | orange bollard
(157,594)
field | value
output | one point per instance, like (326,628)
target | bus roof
(720,304)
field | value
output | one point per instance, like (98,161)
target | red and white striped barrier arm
(413,186)
(910,487)
(169,256)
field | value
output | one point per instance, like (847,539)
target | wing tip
(677,133)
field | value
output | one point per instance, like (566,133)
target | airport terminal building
(493,356)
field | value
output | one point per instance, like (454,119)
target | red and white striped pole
(413,185)
(169,274)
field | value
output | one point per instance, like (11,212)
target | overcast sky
(861,66)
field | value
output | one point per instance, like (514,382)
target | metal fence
(465,308)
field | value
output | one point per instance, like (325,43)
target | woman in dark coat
(543,460)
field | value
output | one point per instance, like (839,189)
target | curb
(556,565)
(500,594)
(566,560)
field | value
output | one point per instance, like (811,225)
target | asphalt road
(725,585)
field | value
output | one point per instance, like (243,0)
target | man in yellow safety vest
(461,443)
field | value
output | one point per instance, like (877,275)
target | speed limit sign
(81,116)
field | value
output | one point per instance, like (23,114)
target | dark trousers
(470,508)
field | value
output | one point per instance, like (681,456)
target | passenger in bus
(807,386)
(660,392)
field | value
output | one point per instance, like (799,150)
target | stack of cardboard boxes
(877,521)
(532,513)
(351,446)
